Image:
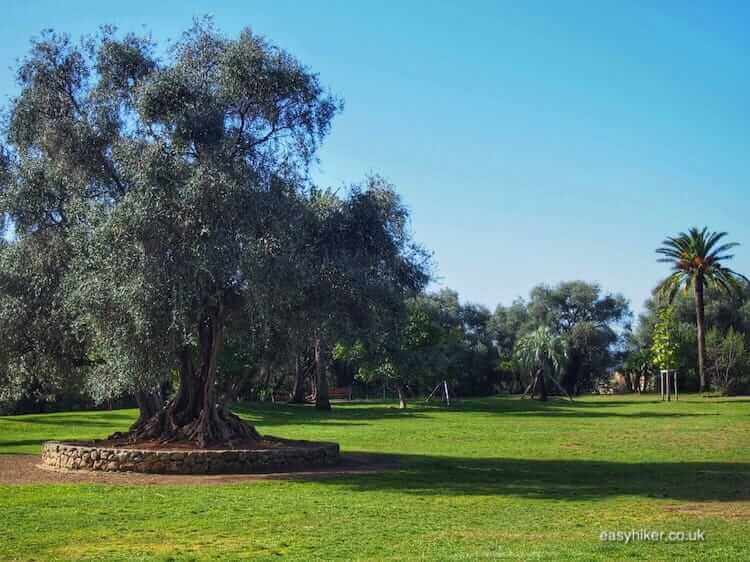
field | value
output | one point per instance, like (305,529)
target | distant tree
(727,358)
(696,257)
(410,350)
(505,326)
(637,365)
(357,267)
(542,354)
(723,310)
(478,355)
(589,320)
(665,347)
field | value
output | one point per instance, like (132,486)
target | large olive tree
(166,179)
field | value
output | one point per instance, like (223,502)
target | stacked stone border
(77,456)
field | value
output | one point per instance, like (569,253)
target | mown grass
(491,478)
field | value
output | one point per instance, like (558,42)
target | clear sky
(534,141)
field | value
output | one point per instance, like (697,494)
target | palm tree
(696,258)
(542,354)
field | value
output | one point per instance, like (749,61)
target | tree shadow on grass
(357,413)
(79,422)
(343,415)
(560,407)
(89,417)
(573,480)
(23,443)
(582,415)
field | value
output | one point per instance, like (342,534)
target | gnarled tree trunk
(195,414)
(149,403)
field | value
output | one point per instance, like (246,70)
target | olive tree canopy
(162,183)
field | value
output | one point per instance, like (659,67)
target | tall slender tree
(696,257)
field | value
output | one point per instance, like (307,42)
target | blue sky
(533,141)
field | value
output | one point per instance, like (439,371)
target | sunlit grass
(489,478)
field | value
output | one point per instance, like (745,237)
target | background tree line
(406,347)
(162,242)
(413,345)
(727,318)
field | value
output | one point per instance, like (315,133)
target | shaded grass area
(489,478)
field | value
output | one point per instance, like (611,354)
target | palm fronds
(541,349)
(697,256)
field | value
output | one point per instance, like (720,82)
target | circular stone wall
(78,456)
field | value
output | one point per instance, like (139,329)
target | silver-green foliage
(166,182)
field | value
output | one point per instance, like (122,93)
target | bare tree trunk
(401,396)
(701,325)
(634,381)
(529,389)
(298,394)
(321,395)
(643,380)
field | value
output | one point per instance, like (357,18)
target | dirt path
(25,469)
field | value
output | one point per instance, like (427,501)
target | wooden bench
(343,393)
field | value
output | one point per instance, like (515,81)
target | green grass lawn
(490,478)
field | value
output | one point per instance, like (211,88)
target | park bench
(342,393)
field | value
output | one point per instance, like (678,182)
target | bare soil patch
(720,510)
(26,469)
